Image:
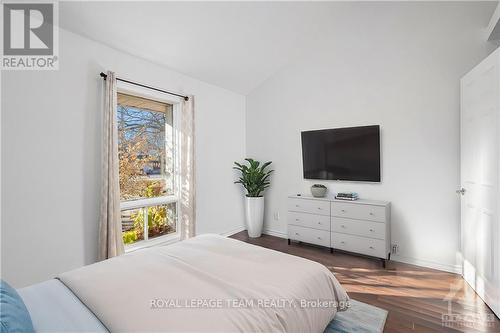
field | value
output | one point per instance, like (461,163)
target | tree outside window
(146,165)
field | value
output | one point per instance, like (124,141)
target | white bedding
(157,289)
(54,308)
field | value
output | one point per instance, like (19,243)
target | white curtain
(188,195)
(110,232)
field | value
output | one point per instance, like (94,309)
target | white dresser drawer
(356,211)
(309,206)
(315,221)
(308,235)
(363,245)
(359,227)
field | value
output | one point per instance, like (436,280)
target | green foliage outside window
(161,220)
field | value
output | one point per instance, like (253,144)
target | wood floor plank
(415,297)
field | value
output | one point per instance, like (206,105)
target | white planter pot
(254,216)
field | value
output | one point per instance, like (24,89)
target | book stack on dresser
(361,226)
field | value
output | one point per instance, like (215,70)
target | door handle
(461,191)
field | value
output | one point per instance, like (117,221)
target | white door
(480,169)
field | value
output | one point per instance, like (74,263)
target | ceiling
(234,45)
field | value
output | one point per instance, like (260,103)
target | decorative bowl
(318,190)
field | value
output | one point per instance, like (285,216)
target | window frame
(130,89)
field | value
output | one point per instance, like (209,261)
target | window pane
(145,147)
(162,220)
(132,225)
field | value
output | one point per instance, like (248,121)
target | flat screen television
(350,153)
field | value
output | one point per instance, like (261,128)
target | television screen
(351,153)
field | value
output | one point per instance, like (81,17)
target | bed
(205,284)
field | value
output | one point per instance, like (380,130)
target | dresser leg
(289,241)
(331,250)
(383,263)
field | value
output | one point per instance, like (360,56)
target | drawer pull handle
(319,208)
(319,223)
(371,230)
(319,238)
(371,247)
(297,206)
(342,242)
(343,226)
(371,214)
(343,210)
(297,220)
(297,234)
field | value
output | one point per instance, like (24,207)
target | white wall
(51,125)
(393,64)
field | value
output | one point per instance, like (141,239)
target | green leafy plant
(254,177)
(129,237)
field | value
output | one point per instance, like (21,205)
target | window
(147,165)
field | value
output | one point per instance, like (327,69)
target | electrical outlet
(276,216)
(394,249)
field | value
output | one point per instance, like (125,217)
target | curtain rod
(104,76)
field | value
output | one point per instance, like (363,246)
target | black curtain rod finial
(186,98)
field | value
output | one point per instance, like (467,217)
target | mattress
(54,308)
(208,284)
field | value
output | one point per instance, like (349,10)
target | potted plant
(255,179)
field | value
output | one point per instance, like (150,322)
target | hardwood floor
(416,297)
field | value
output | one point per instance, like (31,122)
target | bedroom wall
(397,65)
(50,140)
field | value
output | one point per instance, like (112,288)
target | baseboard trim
(275,233)
(233,231)
(456,269)
(265,232)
